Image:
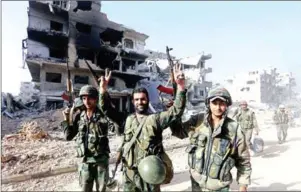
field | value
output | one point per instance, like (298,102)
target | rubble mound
(32,131)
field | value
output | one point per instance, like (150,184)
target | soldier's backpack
(258,144)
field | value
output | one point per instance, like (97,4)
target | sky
(241,36)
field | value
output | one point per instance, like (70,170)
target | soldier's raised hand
(179,76)
(104,80)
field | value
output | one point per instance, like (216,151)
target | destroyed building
(71,31)
(157,63)
(261,86)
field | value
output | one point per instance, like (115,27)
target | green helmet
(88,90)
(152,170)
(78,102)
(219,93)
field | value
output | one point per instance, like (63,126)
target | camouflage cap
(281,107)
(219,93)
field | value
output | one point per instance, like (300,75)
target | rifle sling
(133,139)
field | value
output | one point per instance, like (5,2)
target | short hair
(140,90)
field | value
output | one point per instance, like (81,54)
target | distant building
(261,86)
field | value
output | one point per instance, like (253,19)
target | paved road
(277,168)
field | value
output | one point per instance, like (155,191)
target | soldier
(281,120)
(216,146)
(146,165)
(247,120)
(91,128)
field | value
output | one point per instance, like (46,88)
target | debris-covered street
(33,156)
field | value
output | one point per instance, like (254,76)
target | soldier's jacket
(280,117)
(91,136)
(182,130)
(212,155)
(246,119)
(151,134)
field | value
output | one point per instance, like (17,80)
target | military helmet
(243,102)
(78,102)
(219,93)
(88,90)
(281,107)
(152,170)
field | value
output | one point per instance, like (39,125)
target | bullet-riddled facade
(61,31)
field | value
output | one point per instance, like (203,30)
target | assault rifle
(69,93)
(171,65)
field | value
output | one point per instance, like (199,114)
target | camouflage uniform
(148,142)
(92,146)
(281,120)
(212,153)
(247,121)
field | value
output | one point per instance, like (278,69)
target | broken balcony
(51,38)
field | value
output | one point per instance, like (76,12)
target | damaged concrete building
(157,64)
(261,86)
(71,31)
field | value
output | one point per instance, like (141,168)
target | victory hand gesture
(179,76)
(104,80)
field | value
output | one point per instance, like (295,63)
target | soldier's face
(218,107)
(89,102)
(140,102)
(243,106)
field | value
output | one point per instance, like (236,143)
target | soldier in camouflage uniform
(146,165)
(216,146)
(281,120)
(91,128)
(247,121)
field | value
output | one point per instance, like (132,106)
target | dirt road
(277,168)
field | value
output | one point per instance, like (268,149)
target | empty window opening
(56,26)
(250,82)
(111,36)
(53,77)
(202,93)
(78,79)
(85,54)
(57,53)
(128,43)
(83,28)
(62,4)
(112,83)
(128,64)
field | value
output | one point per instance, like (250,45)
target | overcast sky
(240,36)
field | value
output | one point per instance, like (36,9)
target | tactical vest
(92,140)
(148,142)
(281,117)
(213,156)
(245,119)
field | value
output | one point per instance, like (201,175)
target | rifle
(95,76)
(171,65)
(69,93)
(112,182)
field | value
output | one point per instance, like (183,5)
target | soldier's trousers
(132,182)
(90,172)
(282,131)
(196,187)
(248,136)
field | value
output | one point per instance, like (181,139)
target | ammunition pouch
(221,162)
(196,152)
